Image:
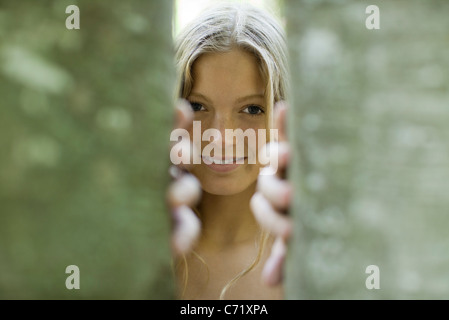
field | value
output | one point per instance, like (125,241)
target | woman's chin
(227,184)
(224,189)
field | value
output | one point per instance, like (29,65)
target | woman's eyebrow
(249,97)
(239,100)
(199,95)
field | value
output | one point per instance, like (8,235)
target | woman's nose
(223,122)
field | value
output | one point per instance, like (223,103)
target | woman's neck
(227,220)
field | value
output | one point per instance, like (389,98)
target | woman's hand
(183,193)
(272,200)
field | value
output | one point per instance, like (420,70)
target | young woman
(232,75)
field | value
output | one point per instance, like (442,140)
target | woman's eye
(253,110)
(197,106)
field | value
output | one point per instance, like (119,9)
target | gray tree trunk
(370,128)
(84,131)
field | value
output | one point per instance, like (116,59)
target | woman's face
(228,93)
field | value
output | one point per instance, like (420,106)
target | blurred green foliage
(84,131)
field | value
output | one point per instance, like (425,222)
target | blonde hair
(222,28)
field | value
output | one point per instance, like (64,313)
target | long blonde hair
(222,28)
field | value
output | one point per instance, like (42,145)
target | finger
(181,147)
(280,115)
(183,114)
(268,218)
(184,153)
(186,231)
(272,271)
(277,191)
(186,190)
(279,155)
(283,155)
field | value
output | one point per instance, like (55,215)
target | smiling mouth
(210,160)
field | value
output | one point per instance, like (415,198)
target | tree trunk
(369,128)
(85,121)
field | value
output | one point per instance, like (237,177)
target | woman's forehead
(235,70)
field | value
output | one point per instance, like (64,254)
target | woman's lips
(224,164)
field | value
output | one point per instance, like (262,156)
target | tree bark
(85,123)
(369,127)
